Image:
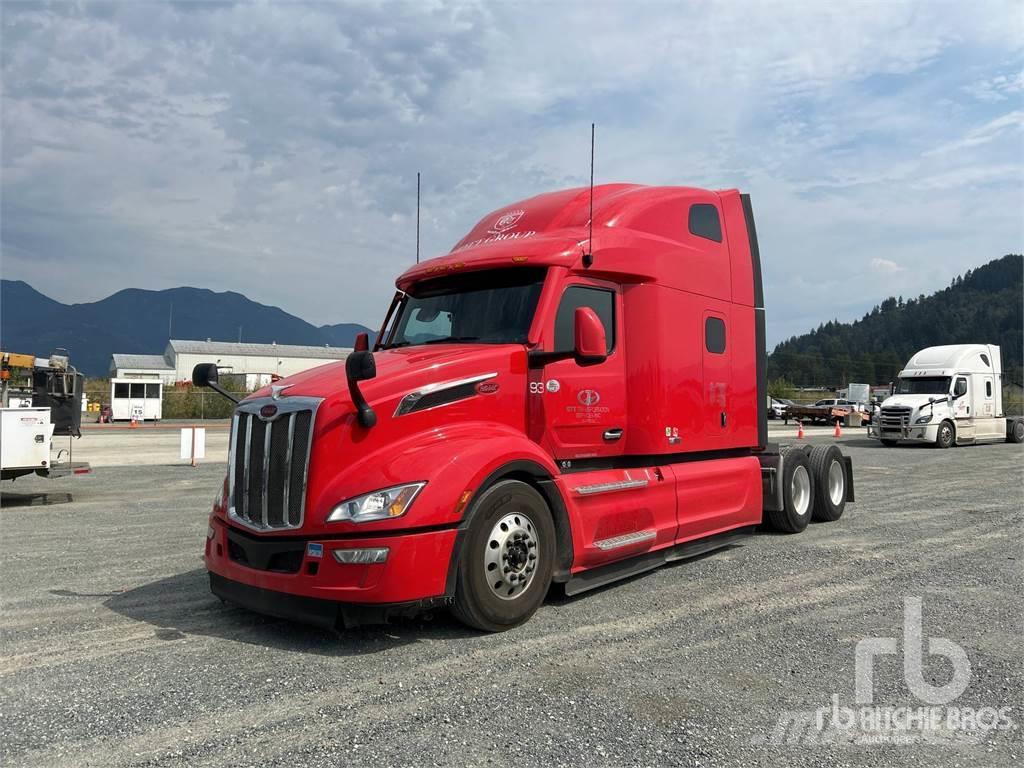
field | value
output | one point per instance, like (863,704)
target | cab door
(717,375)
(962,394)
(579,411)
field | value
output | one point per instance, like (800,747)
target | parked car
(778,407)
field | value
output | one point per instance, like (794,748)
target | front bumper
(924,433)
(283,576)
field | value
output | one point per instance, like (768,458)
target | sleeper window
(704,222)
(714,335)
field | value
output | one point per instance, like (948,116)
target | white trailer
(138,399)
(948,395)
(27,435)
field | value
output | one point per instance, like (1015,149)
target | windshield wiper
(449,339)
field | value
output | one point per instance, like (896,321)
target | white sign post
(193,443)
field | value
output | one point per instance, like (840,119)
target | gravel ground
(115,653)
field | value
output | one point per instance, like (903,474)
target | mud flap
(848,469)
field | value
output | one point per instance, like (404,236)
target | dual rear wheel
(813,487)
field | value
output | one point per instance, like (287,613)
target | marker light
(361,556)
(379,505)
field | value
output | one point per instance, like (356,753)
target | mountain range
(984,306)
(140,321)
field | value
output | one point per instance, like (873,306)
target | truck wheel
(829,481)
(946,437)
(797,493)
(507,558)
(1015,434)
(889,443)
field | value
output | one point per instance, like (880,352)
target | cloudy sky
(272,148)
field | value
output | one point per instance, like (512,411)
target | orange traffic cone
(799,430)
(839,431)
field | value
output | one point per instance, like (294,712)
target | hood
(910,401)
(402,370)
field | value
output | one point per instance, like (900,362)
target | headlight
(379,505)
(923,419)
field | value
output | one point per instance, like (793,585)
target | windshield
(491,307)
(923,385)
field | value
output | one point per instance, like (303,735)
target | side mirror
(591,343)
(204,374)
(360,366)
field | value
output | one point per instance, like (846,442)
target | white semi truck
(949,395)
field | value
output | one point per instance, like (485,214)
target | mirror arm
(224,393)
(364,413)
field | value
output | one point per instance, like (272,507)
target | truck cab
(556,400)
(948,395)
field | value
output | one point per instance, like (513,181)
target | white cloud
(885,266)
(225,146)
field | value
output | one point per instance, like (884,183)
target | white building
(259,363)
(141,367)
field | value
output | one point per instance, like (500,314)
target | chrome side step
(648,561)
(624,540)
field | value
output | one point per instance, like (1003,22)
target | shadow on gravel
(33,499)
(183,605)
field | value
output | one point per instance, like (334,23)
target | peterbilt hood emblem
(277,389)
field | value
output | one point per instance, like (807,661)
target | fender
(452,461)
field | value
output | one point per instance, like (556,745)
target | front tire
(797,493)
(1015,434)
(507,559)
(946,437)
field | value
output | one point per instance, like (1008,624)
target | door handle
(722,417)
(611,435)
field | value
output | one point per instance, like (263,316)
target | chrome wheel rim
(510,556)
(945,433)
(836,483)
(800,490)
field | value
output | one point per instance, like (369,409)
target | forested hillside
(985,305)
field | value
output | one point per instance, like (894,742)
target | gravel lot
(115,653)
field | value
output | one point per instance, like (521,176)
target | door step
(624,540)
(648,561)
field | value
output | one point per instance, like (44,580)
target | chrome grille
(269,462)
(894,418)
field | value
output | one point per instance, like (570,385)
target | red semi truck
(547,403)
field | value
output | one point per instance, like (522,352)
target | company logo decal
(553,385)
(588,397)
(268,411)
(506,222)
(487,387)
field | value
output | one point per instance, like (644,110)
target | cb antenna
(588,258)
(417,217)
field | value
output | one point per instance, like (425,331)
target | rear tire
(946,437)
(797,493)
(1015,434)
(830,483)
(510,543)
